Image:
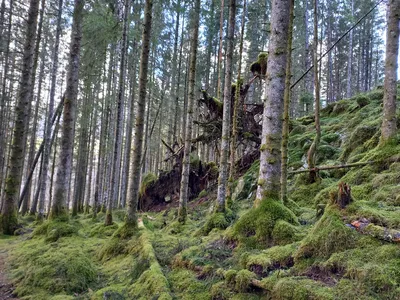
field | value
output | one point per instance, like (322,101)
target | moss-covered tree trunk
(184,189)
(9,208)
(274,88)
(226,124)
(389,128)
(59,205)
(131,217)
(312,152)
(286,108)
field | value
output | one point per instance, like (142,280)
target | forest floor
(308,249)
(6,288)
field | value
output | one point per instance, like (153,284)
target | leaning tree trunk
(131,217)
(183,195)
(223,169)
(270,156)
(286,107)
(59,207)
(9,209)
(389,128)
(312,152)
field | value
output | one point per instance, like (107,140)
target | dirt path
(6,289)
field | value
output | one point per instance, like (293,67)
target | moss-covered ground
(306,250)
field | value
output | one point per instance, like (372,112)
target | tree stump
(344,195)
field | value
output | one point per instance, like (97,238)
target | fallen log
(321,168)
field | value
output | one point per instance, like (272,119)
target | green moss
(100,230)
(185,285)
(221,291)
(370,271)
(218,220)
(243,279)
(361,134)
(202,194)
(51,268)
(299,288)
(53,230)
(277,257)
(147,181)
(285,233)
(328,236)
(254,229)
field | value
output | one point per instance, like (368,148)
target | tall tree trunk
(286,106)
(184,189)
(59,207)
(270,158)
(9,209)
(312,152)
(350,57)
(115,181)
(131,217)
(177,115)
(128,130)
(173,77)
(47,135)
(236,104)
(3,110)
(389,128)
(221,27)
(226,122)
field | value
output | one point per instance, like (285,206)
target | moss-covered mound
(255,229)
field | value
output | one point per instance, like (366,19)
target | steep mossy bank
(307,249)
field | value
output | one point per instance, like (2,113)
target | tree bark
(59,205)
(270,157)
(131,217)
(47,136)
(226,122)
(221,27)
(116,175)
(183,195)
(9,208)
(389,128)
(286,107)
(312,152)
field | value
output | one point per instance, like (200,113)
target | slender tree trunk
(128,130)
(184,189)
(223,169)
(270,158)
(350,57)
(389,128)
(221,27)
(286,106)
(9,207)
(131,218)
(177,107)
(173,76)
(59,207)
(115,181)
(239,83)
(33,208)
(47,135)
(312,152)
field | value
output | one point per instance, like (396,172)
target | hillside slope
(311,251)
